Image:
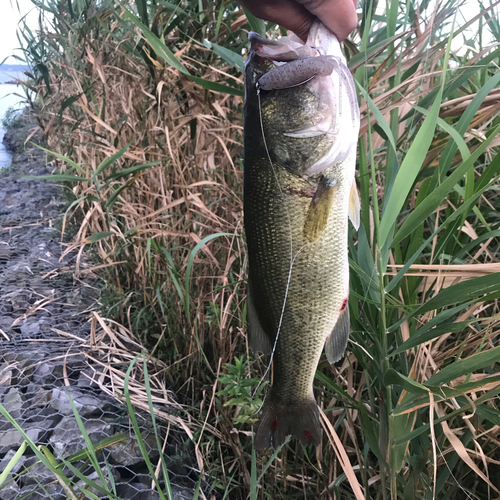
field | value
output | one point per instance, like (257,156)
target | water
(7,100)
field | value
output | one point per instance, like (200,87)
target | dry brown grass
(193,192)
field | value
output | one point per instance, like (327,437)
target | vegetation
(11,119)
(142,105)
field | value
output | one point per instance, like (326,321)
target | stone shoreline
(43,314)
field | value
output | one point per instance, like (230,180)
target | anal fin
(336,343)
(257,337)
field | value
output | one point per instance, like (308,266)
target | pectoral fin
(257,337)
(336,343)
(354,206)
(319,210)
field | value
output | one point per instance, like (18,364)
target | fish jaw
(318,71)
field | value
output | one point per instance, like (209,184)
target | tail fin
(300,419)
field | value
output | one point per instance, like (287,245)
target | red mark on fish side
(274,425)
(308,435)
(344,305)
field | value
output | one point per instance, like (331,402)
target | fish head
(304,98)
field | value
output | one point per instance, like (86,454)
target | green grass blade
(424,428)
(452,131)
(166,475)
(437,196)
(90,449)
(168,56)
(466,366)
(256,24)
(189,267)
(463,292)
(463,123)
(98,236)
(65,159)
(379,117)
(273,456)
(109,161)
(132,170)
(12,462)
(408,171)
(232,58)
(428,334)
(137,430)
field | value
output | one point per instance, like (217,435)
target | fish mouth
(285,49)
(319,65)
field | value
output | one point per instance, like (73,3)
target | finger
(288,13)
(337,15)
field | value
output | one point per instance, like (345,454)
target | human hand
(298,15)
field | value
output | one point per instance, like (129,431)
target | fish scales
(296,223)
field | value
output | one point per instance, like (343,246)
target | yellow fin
(354,205)
(319,210)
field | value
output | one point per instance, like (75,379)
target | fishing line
(292,258)
(279,325)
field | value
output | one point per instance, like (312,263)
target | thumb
(339,16)
(288,13)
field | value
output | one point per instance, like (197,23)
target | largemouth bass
(300,135)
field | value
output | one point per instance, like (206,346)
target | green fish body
(299,189)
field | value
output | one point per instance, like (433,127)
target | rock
(50,372)
(52,492)
(13,403)
(6,322)
(39,398)
(180,493)
(42,425)
(9,491)
(94,476)
(12,439)
(86,404)
(24,370)
(136,491)
(30,329)
(87,378)
(67,438)
(6,373)
(127,452)
(47,373)
(17,466)
(36,472)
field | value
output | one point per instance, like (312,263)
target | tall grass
(412,411)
